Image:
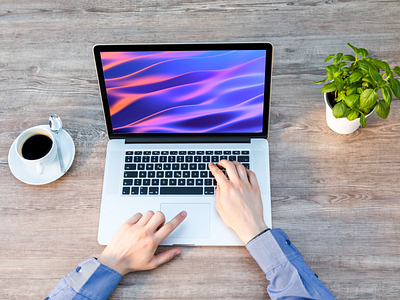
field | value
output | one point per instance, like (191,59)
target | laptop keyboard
(174,172)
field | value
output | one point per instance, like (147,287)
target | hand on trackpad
(197,222)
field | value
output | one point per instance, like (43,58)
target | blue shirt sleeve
(289,276)
(90,280)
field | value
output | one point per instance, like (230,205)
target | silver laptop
(170,109)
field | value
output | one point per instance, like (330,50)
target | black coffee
(36,146)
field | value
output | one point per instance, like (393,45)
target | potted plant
(351,91)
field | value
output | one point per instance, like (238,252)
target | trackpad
(197,222)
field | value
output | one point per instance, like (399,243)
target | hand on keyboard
(238,199)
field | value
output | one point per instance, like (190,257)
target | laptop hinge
(213,139)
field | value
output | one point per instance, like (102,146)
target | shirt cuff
(272,249)
(93,280)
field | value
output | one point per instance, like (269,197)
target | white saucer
(51,172)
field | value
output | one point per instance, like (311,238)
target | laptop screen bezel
(98,49)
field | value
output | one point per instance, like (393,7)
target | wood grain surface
(337,197)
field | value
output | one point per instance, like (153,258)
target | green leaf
(353,114)
(352,47)
(360,90)
(381,64)
(387,94)
(397,70)
(382,109)
(363,122)
(394,85)
(362,52)
(364,65)
(329,58)
(351,90)
(368,99)
(339,55)
(348,58)
(376,76)
(336,60)
(329,87)
(351,100)
(339,82)
(369,80)
(331,68)
(354,77)
(339,110)
(322,81)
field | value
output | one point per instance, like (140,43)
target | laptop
(170,109)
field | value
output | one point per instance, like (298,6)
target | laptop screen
(185,92)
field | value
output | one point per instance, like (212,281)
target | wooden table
(337,197)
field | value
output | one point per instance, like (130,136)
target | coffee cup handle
(39,168)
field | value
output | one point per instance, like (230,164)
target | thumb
(164,257)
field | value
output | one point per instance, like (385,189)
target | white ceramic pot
(340,125)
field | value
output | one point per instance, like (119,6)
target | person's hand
(238,199)
(133,246)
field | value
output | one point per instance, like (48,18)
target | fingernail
(184,214)
(177,252)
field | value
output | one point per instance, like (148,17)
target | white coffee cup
(41,162)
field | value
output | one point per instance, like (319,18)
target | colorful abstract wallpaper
(185,91)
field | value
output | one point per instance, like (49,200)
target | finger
(252,178)
(170,226)
(230,168)
(146,218)
(218,175)
(241,170)
(164,257)
(134,219)
(157,220)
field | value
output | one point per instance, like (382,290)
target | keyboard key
(158,167)
(135,190)
(191,152)
(200,152)
(206,159)
(207,181)
(243,158)
(141,167)
(142,174)
(164,182)
(173,152)
(129,153)
(223,157)
(138,152)
(199,181)
(138,182)
(245,152)
(163,158)
(151,174)
(215,159)
(180,158)
(147,153)
(188,158)
(153,191)
(146,159)
(227,152)
(143,190)
(175,166)
(155,153)
(232,158)
(201,166)
(186,174)
(128,182)
(137,159)
(149,167)
(168,174)
(172,182)
(167,166)
(197,159)
(155,181)
(217,152)
(181,181)
(130,167)
(182,152)
(160,174)
(132,174)
(208,191)
(128,158)
(246,165)
(146,181)
(177,174)
(190,181)
(195,174)
(184,166)
(126,190)
(204,174)
(154,159)
(164,152)
(193,166)
(209,152)
(171,158)
(181,190)
(236,152)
